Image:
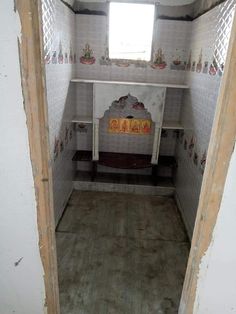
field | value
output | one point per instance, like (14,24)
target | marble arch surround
(152,96)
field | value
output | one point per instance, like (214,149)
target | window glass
(130,31)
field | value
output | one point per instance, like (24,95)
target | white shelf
(172,125)
(79,80)
(80,119)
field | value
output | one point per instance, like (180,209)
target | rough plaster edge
(184,218)
(58,219)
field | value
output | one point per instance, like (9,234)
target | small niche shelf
(167,85)
(82,155)
(81,119)
(172,125)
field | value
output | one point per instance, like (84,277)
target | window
(130,31)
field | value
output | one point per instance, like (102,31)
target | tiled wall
(200,46)
(125,143)
(170,36)
(209,40)
(60,59)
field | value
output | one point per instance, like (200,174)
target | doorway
(220,136)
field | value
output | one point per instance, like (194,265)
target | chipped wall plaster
(21,272)
(216,285)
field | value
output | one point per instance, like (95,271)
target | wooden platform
(126,161)
(123,160)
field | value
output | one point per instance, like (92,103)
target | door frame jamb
(35,102)
(220,149)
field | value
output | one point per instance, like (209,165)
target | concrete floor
(120,254)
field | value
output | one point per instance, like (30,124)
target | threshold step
(120,178)
(134,184)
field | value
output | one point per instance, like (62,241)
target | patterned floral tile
(208,49)
(59,39)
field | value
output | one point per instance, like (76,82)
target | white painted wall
(21,286)
(216,289)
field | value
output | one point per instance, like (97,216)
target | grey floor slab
(120,253)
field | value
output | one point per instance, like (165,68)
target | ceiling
(176,2)
(163,2)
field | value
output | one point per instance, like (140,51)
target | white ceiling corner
(175,2)
(163,2)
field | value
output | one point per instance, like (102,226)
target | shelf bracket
(157,132)
(156,145)
(95,139)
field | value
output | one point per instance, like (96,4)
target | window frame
(131,61)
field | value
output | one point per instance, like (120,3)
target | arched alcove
(103,98)
(153,97)
(131,108)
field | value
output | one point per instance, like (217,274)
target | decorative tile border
(87,57)
(61,141)
(159,60)
(178,63)
(190,146)
(129,126)
(60,57)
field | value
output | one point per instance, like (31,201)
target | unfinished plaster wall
(202,6)
(60,59)
(21,272)
(216,290)
(209,42)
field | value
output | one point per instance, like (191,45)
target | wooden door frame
(219,154)
(220,149)
(35,103)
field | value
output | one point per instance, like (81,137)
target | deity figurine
(87,57)
(159,62)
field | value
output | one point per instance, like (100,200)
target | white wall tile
(59,27)
(199,102)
